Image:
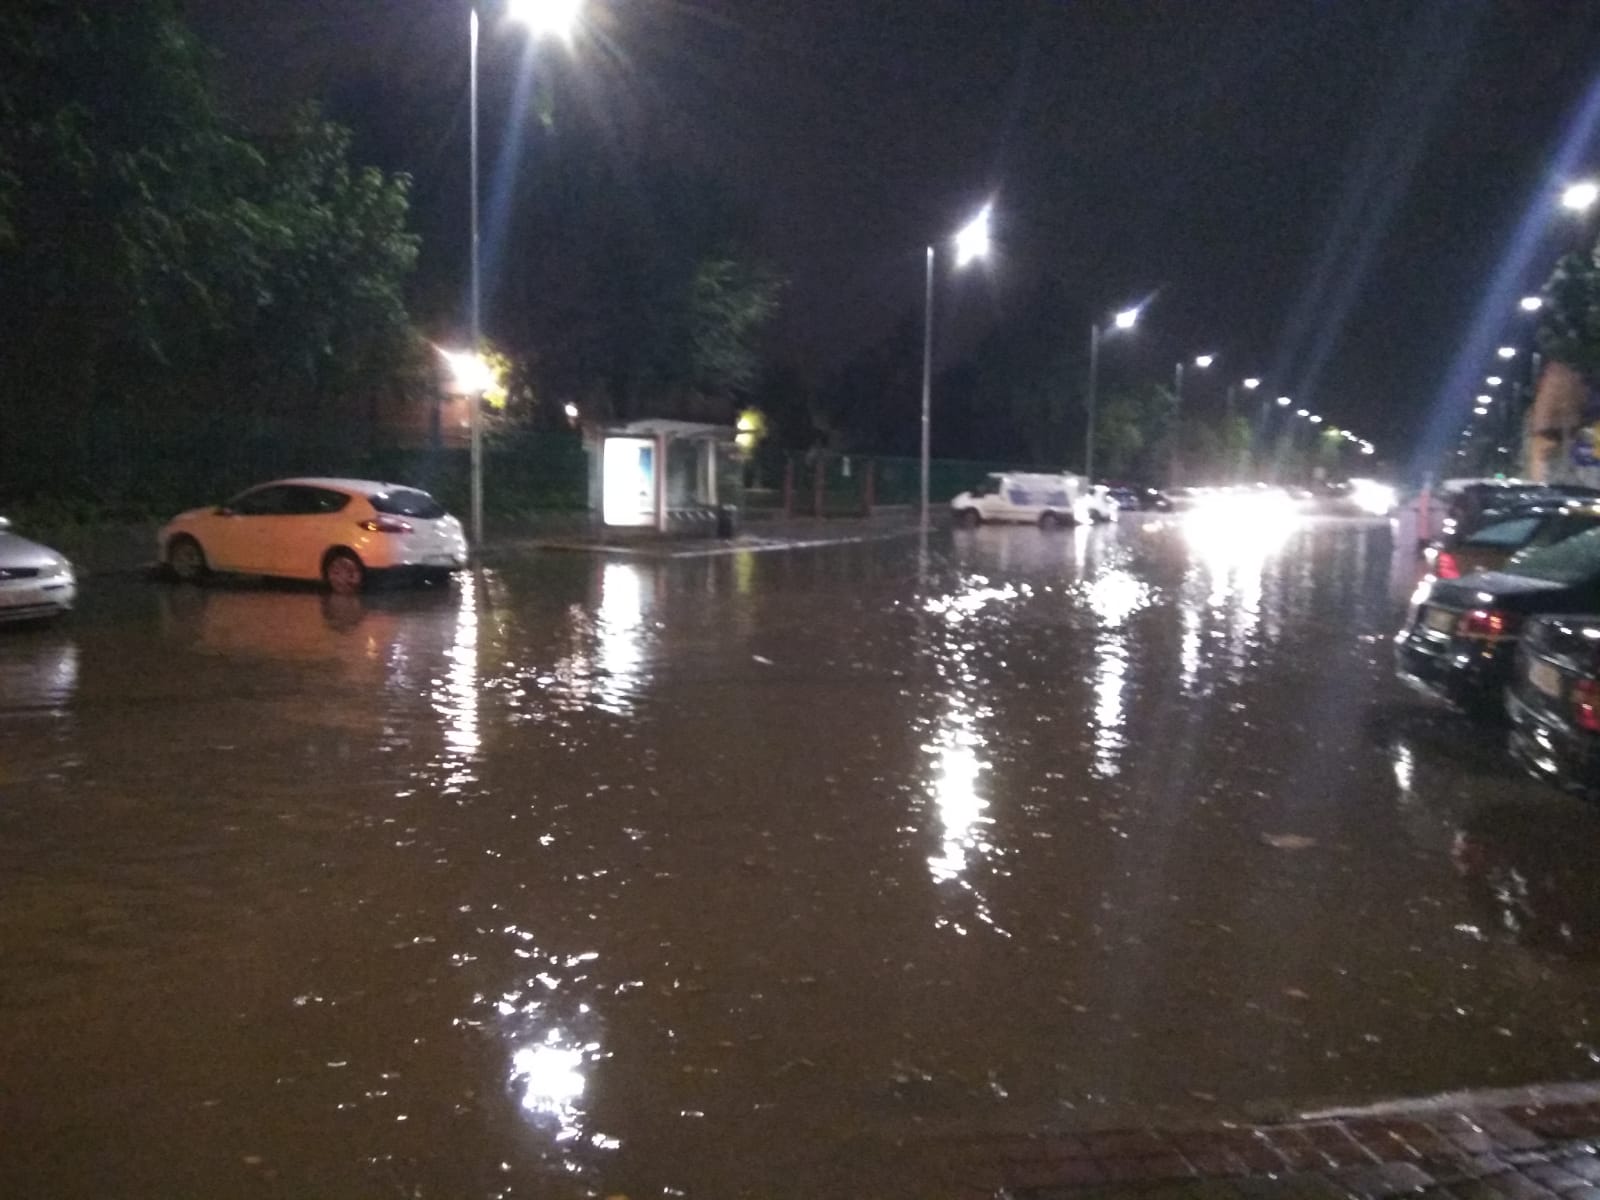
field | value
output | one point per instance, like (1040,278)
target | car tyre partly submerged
(186,560)
(343,573)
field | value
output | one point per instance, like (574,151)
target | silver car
(35,581)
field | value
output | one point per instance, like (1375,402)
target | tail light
(1445,566)
(1586,704)
(386,525)
(1487,623)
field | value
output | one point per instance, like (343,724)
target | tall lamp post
(972,243)
(1580,199)
(1202,361)
(1126,319)
(542,18)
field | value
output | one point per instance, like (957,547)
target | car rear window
(1571,561)
(1505,534)
(408,502)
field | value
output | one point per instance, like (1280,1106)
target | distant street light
(1302,412)
(1485,398)
(1202,361)
(1507,352)
(1480,411)
(1494,380)
(1530,304)
(1124,320)
(1251,384)
(972,242)
(1314,419)
(543,18)
(1284,402)
(572,412)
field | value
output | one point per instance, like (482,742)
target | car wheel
(186,559)
(343,573)
(1049,520)
(969,518)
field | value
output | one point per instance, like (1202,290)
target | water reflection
(953,784)
(1114,596)
(38,675)
(551,1082)
(455,697)
(619,628)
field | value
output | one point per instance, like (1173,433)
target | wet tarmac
(755,875)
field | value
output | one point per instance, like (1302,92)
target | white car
(338,531)
(35,582)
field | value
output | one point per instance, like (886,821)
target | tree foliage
(1569,321)
(170,277)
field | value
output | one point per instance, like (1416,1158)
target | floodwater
(757,875)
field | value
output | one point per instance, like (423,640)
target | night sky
(1319,190)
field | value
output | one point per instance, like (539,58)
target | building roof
(656,426)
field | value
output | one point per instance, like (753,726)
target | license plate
(1545,678)
(1440,620)
(21,597)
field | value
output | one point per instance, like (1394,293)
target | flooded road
(754,875)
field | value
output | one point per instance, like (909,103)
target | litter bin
(727,521)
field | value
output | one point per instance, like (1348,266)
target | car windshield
(1571,561)
(408,502)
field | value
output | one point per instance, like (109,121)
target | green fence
(848,484)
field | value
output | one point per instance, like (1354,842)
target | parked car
(1554,702)
(1492,545)
(1034,498)
(342,532)
(36,583)
(1460,635)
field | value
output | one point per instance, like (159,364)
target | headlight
(57,570)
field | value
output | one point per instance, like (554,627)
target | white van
(1045,500)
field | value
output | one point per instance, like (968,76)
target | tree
(1133,432)
(172,279)
(1569,321)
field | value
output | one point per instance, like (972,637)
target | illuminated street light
(470,374)
(1124,320)
(1284,402)
(1507,352)
(1485,398)
(1302,412)
(1494,381)
(1314,419)
(1251,384)
(547,18)
(1530,304)
(972,242)
(1480,411)
(542,18)
(1367,448)
(1204,360)
(572,412)
(1580,197)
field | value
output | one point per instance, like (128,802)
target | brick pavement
(1537,1145)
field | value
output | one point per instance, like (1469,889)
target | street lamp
(1507,352)
(1314,419)
(1580,197)
(1251,384)
(1530,304)
(543,18)
(972,242)
(1202,361)
(1493,380)
(1124,320)
(1284,402)
(1302,412)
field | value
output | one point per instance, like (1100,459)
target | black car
(1554,702)
(1147,499)
(1460,635)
